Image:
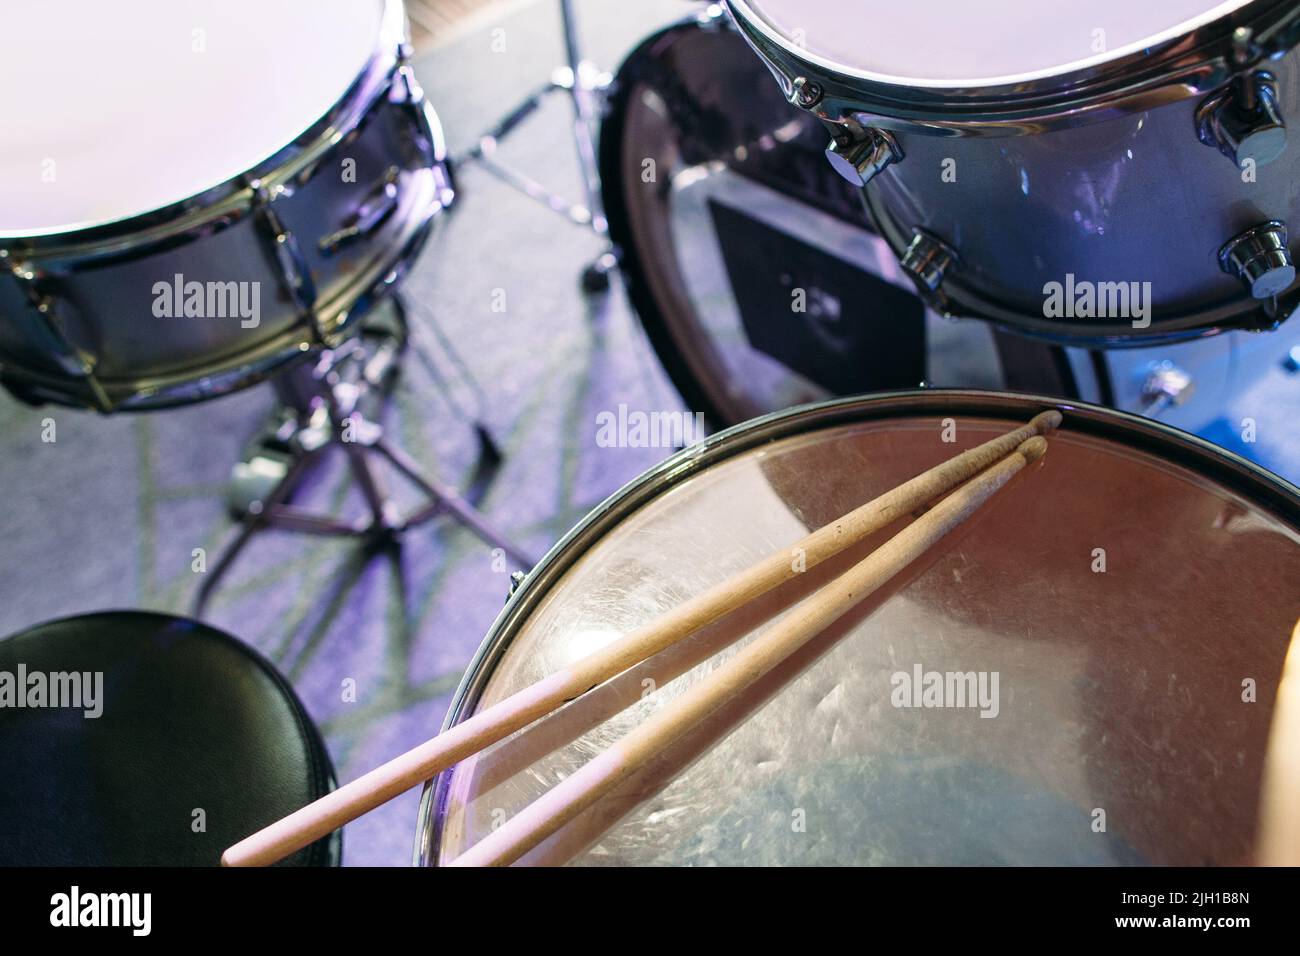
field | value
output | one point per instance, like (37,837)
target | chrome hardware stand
(321,408)
(1166,386)
(586,87)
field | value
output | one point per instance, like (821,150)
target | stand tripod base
(320,410)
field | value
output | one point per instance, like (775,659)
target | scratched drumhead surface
(948,41)
(125,108)
(1107,613)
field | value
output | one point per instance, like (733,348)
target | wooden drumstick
(1279,838)
(494,723)
(603,772)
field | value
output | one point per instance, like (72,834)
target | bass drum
(752,265)
(1110,605)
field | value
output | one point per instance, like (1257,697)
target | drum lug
(1259,257)
(406,92)
(860,154)
(295,274)
(1243,120)
(928,260)
(74,361)
(369,216)
(517,579)
(1240,133)
(405,89)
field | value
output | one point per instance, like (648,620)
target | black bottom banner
(333,906)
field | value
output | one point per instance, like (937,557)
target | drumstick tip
(1033,449)
(1046,421)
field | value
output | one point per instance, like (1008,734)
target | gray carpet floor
(107,515)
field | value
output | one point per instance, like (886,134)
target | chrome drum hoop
(385,82)
(1270,492)
(1132,80)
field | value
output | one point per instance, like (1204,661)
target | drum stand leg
(586,87)
(322,411)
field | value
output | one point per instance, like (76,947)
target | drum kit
(860,241)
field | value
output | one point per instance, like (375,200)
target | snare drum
(193,194)
(1103,172)
(1118,619)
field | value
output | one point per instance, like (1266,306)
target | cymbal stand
(586,87)
(321,402)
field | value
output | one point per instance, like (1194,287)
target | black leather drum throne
(199,742)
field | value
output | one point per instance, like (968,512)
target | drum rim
(1267,491)
(233,196)
(1180,62)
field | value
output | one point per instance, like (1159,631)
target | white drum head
(959,43)
(119,109)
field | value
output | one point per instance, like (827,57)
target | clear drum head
(1108,605)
